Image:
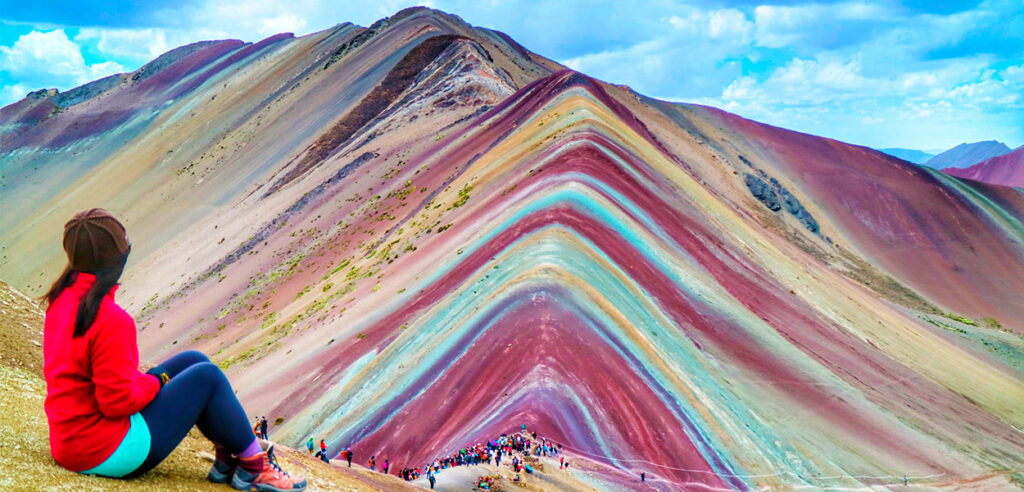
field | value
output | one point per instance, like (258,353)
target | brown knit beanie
(94,240)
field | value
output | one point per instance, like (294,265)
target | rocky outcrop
(763,191)
(88,91)
(795,208)
(775,196)
(167,59)
(383,95)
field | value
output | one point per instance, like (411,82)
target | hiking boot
(259,473)
(224,465)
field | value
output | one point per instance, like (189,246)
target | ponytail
(106,279)
(63,281)
(89,306)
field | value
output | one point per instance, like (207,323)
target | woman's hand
(160,374)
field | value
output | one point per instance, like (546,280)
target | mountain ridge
(505,241)
(1006,169)
(909,155)
(967,154)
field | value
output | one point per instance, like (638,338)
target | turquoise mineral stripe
(438,332)
(992,209)
(584,202)
(463,306)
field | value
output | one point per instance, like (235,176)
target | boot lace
(273,463)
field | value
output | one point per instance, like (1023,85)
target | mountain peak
(968,154)
(1006,169)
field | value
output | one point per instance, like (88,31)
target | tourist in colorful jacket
(107,418)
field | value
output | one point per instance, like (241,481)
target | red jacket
(93,383)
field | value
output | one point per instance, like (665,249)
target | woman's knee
(181,361)
(210,372)
(194,357)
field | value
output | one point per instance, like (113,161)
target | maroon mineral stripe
(477,386)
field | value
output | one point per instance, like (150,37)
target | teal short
(130,454)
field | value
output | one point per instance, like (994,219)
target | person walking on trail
(105,417)
(348,456)
(310,446)
(386,465)
(372,462)
(263,428)
(431,479)
(643,476)
(561,462)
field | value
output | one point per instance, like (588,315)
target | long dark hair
(89,306)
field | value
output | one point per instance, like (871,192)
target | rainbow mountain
(415,236)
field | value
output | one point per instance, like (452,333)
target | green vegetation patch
(957,317)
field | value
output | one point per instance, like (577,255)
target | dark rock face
(401,76)
(775,196)
(41,94)
(795,208)
(167,59)
(85,92)
(763,192)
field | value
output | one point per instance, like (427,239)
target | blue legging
(198,394)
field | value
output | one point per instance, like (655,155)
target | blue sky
(918,74)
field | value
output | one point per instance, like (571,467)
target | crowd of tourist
(512,449)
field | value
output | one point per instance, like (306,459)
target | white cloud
(780,26)
(136,45)
(50,59)
(805,82)
(281,23)
(50,51)
(729,24)
(252,21)
(12,93)
(955,101)
(692,54)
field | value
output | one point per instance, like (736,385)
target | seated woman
(107,418)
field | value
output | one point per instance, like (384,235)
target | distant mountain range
(1007,169)
(962,156)
(909,155)
(968,154)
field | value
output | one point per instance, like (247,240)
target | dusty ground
(21,331)
(24,445)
